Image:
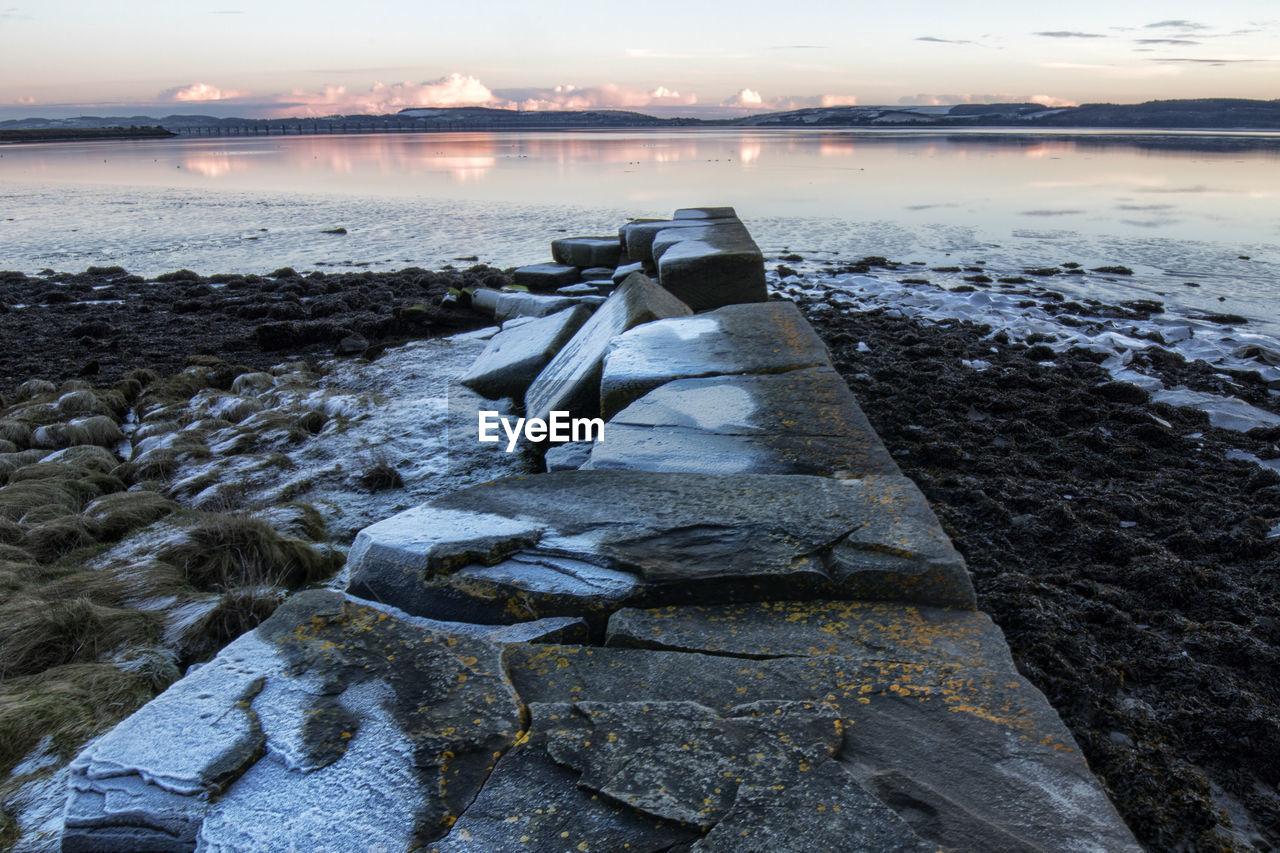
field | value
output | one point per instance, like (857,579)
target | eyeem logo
(559,427)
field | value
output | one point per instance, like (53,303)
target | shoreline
(1126,555)
(102,323)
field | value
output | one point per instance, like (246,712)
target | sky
(663,57)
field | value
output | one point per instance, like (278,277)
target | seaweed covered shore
(103,323)
(1129,559)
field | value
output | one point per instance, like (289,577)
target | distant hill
(1204,114)
(1201,114)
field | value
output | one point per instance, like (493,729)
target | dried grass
(226,551)
(37,634)
(123,512)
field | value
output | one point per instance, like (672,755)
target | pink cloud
(203,92)
(923,100)
(453,90)
(607,96)
(752,101)
(745,98)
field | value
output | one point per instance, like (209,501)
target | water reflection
(1103,184)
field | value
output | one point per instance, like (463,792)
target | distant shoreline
(1206,114)
(82,134)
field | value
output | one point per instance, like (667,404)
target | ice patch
(1224,412)
(1119,339)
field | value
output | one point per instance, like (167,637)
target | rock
(621,273)
(333,724)
(586,251)
(352,345)
(546,276)
(550,545)
(571,382)
(646,775)
(565,817)
(598,273)
(802,422)
(514,304)
(485,299)
(664,240)
(935,719)
(771,337)
(707,267)
(580,289)
(508,305)
(639,235)
(705,213)
(515,356)
(568,456)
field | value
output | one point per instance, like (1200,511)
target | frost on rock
(330,707)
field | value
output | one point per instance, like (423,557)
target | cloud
(1178,24)
(936,40)
(201,92)
(923,100)
(1069,34)
(1204,61)
(745,98)
(1165,41)
(453,90)
(606,96)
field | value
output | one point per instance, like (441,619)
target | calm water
(1174,207)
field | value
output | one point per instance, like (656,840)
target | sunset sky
(69,57)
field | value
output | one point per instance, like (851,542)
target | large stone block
(714,265)
(705,233)
(333,725)
(586,251)
(639,235)
(545,276)
(705,213)
(514,357)
(936,722)
(770,337)
(571,382)
(587,543)
(802,422)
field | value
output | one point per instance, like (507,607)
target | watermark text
(558,427)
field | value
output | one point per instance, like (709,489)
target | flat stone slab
(571,382)
(589,543)
(546,276)
(803,422)
(647,775)
(769,337)
(936,722)
(587,251)
(515,356)
(332,725)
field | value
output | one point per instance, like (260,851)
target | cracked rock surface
(661,538)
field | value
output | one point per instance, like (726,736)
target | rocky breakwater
(731,624)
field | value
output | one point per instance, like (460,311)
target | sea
(1193,216)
